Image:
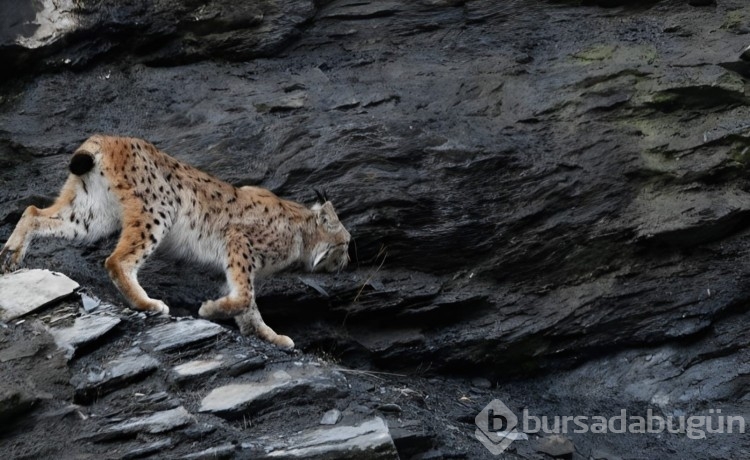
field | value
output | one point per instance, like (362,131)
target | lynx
(127,184)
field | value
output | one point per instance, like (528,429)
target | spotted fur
(127,184)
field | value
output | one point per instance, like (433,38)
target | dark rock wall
(529,184)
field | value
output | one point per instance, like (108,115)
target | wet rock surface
(27,290)
(367,440)
(85,330)
(180,334)
(298,385)
(550,197)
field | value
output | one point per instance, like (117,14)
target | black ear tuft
(81,163)
(321,195)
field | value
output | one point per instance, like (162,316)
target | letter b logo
(494,425)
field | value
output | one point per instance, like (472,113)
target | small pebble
(481,382)
(331,417)
(389,408)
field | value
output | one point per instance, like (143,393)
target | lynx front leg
(250,321)
(138,240)
(240,302)
(239,273)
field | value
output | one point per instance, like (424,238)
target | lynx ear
(325,214)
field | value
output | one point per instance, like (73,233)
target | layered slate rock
(236,32)
(179,334)
(297,385)
(148,449)
(24,291)
(216,452)
(368,440)
(197,368)
(86,329)
(158,422)
(129,366)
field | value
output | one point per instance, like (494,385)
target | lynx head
(330,248)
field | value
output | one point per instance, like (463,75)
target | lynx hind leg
(59,220)
(251,322)
(138,241)
(239,274)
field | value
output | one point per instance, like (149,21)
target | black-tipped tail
(81,163)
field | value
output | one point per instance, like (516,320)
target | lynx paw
(8,260)
(212,309)
(162,308)
(264,332)
(283,341)
(157,307)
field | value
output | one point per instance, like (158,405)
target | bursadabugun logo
(497,425)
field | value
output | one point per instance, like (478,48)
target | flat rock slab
(368,440)
(84,330)
(246,365)
(24,291)
(234,400)
(148,449)
(179,334)
(223,451)
(128,367)
(196,368)
(158,422)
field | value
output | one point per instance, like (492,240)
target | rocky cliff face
(549,195)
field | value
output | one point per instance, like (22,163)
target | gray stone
(684,217)
(369,439)
(555,445)
(246,365)
(365,10)
(481,382)
(159,401)
(234,400)
(148,449)
(222,451)
(170,336)
(158,422)
(390,407)
(295,100)
(85,329)
(331,417)
(195,368)
(93,304)
(130,366)
(24,291)
(53,19)
(199,431)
